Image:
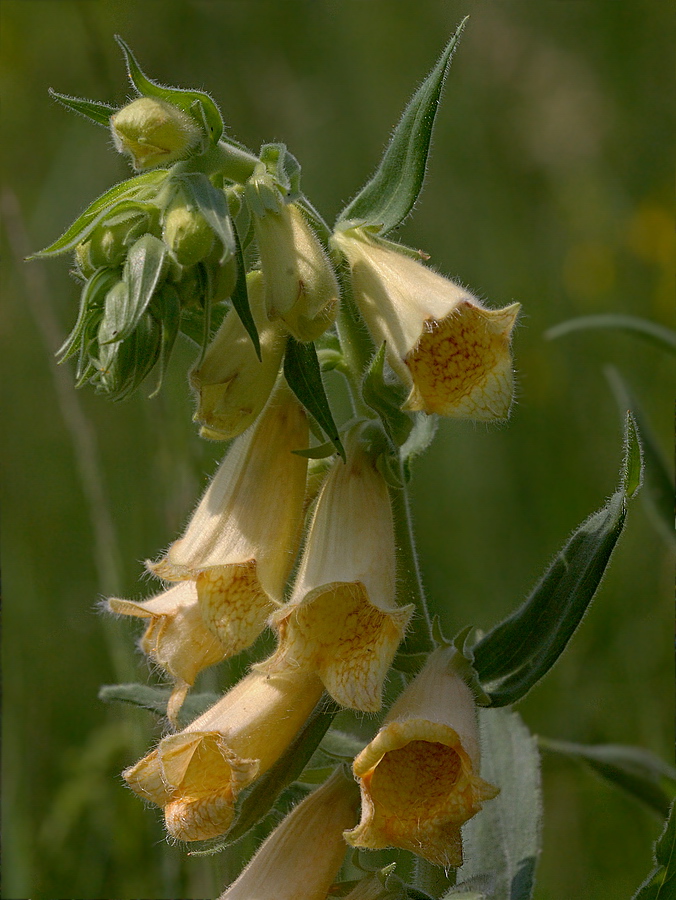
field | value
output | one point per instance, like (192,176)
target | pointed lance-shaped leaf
(304,377)
(142,273)
(390,195)
(240,298)
(519,651)
(90,109)
(661,883)
(196,103)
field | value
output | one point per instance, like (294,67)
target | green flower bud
(153,132)
(186,233)
(110,241)
(300,284)
(223,277)
(83,259)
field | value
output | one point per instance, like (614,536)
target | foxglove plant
(305,527)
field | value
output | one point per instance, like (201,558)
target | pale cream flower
(451,352)
(300,284)
(196,775)
(153,132)
(176,637)
(242,539)
(232,384)
(419,776)
(342,619)
(302,856)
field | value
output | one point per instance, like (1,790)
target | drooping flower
(300,284)
(242,539)
(342,619)
(196,775)
(419,776)
(232,384)
(451,352)
(176,637)
(302,856)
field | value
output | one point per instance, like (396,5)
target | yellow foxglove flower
(419,776)
(302,856)
(452,352)
(342,620)
(243,537)
(176,636)
(196,775)
(233,385)
(300,284)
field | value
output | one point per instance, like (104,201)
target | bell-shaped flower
(451,352)
(419,776)
(196,774)
(176,637)
(302,856)
(232,384)
(342,619)
(242,539)
(300,284)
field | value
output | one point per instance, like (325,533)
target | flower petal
(233,604)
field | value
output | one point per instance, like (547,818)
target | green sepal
(636,770)
(142,273)
(304,377)
(321,451)
(240,298)
(133,188)
(409,663)
(166,309)
(92,299)
(284,168)
(156,699)
(658,487)
(386,399)
(391,193)
(501,846)
(661,883)
(519,651)
(213,206)
(90,109)
(197,104)
(658,335)
(422,434)
(259,800)
(122,365)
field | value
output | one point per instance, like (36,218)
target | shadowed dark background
(549,183)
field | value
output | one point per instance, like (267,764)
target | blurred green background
(549,183)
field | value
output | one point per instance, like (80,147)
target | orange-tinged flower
(342,619)
(196,775)
(176,636)
(419,776)
(452,352)
(300,284)
(233,385)
(243,537)
(302,856)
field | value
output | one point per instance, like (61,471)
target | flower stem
(409,580)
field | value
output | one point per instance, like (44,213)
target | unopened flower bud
(232,383)
(111,240)
(186,233)
(300,284)
(153,132)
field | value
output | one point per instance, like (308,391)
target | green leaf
(240,299)
(166,309)
(304,377)
(101,207)
(502,843)
(92,298)
(519,651)
(658,487)
(389,196)
(214,207)
(196,103)
(643,774)
(155,699)
(91,109)
(386,399)
(659,335)
(258,801)
(661,883)
(142,272)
